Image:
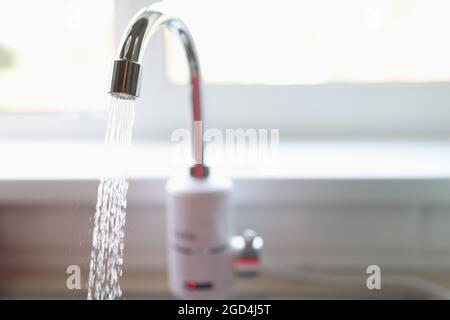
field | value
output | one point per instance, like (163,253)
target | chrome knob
(247,250)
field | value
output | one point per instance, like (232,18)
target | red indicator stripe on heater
(192,285)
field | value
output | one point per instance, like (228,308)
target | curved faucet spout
(127,71)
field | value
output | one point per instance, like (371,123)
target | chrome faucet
(199,225)
(126,77)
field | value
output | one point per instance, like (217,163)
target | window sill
(310,171)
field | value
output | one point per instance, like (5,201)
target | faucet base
(199,171)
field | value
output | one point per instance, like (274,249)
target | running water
(109,221)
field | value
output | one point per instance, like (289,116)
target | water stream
(106,262)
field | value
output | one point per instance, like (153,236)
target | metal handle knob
(247,250)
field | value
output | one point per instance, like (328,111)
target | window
(350,68)
(315,42)
(55,55)
(324,68)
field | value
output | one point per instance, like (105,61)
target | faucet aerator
(126,78)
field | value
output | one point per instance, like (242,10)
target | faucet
(200,251)
(127,70)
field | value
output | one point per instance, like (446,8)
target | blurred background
(355,96)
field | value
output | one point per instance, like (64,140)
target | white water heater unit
(199,230)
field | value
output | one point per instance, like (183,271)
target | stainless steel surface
(127,69)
